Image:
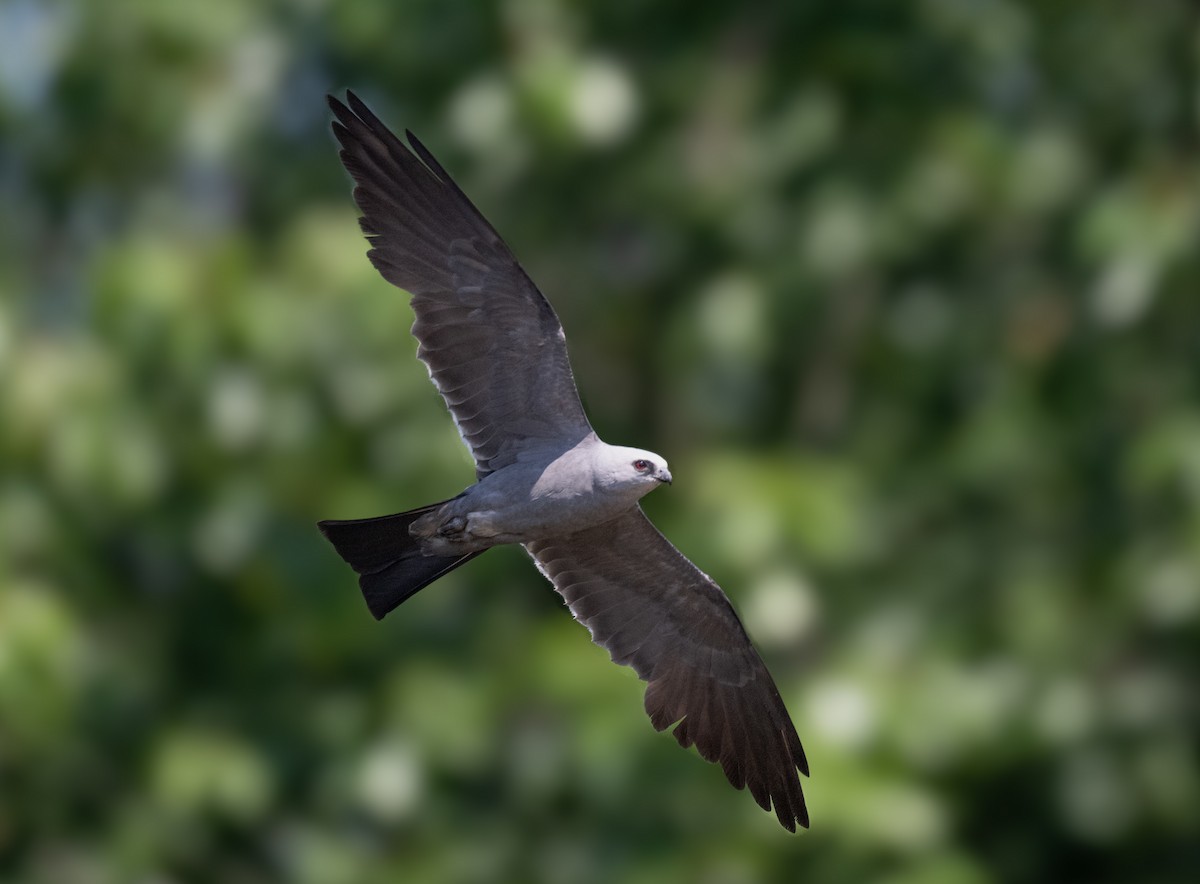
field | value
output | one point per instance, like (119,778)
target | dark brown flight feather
(476,310)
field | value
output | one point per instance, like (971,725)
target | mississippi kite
(495,351)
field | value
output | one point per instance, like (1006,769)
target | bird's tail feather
(390,565)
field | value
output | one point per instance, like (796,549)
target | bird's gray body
(497,354)
(545,492)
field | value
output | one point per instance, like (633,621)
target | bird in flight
(496,352)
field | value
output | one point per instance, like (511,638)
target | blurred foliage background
(908,293)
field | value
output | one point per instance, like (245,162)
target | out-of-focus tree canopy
(908,294)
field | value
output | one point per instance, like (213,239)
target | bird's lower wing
(654,610)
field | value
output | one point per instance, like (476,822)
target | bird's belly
(469,525)
(542,518)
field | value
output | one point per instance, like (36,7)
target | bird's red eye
(642,466)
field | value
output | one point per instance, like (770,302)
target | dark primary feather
(655,611)
(493,345)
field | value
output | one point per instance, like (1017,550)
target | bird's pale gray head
(632,470)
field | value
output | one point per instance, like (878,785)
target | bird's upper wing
(493,345)
(655,611)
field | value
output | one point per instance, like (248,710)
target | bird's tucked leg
(440,533)
(437,524)
(455,525)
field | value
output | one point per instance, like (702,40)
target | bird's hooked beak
(664,476)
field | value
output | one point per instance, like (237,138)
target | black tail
(388,559)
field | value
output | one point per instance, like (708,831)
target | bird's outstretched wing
(493,346)
(655,611)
